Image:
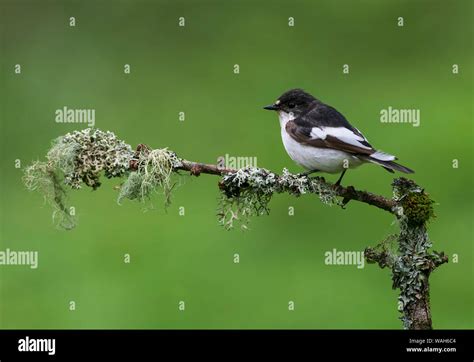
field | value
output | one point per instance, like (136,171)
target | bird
(320,139)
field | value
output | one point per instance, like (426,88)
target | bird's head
(294,101)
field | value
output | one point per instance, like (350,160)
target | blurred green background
(190,69)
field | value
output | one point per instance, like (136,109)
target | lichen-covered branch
(81,157)
(414,260)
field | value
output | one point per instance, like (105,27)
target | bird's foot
(347,198)
(338,182)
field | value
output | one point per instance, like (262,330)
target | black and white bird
(319,138)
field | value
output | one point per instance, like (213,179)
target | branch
(81,157)
(347,193)
(413,262)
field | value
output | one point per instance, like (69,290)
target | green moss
(413,202)
(413,260)
(418,207)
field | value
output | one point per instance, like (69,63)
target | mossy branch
(81,157)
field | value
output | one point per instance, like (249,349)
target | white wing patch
(362,136)
(341,133)
(317,132)
(382,156)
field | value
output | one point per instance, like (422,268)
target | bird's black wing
(321,114)
(323,126)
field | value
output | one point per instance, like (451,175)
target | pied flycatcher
(319,138)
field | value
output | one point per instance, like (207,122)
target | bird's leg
(307,173)
(338,182)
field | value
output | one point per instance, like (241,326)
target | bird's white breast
(314,158)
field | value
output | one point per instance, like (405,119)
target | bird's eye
(291,105)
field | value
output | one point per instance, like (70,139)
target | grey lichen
(411,268)
(414,260)
(384,254)
(245,193)
(76,158)
(81,157)
(92,152)
(248,191)
(42,177)
(153,172)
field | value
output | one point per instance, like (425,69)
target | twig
(348,193)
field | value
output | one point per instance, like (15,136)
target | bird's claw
(346,199)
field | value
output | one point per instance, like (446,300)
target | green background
(190,69)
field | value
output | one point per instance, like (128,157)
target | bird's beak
(272,107)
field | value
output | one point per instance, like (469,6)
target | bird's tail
(387,162)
